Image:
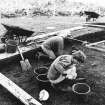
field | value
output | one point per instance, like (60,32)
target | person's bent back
(64,67)
(54,46)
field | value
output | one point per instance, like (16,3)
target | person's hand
(69,77)
(51,59)
(75,76)
(72,76)
(85,43)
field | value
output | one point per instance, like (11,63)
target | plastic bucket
(81,91)
(43,81)
(11,46)
(41,70)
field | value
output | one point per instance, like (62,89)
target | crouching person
(54,46)
(62,72)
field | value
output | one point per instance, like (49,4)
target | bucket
(2,48)
(81,91)
(81,88)
(11,46)
(43,81)
(3,39)
(41,70)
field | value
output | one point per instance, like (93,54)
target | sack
(71,73)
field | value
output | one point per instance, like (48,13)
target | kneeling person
(63,69)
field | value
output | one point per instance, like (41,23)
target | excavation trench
(28,82)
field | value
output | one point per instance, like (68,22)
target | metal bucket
(11,46)
(3,39)
(81,88)
(81,91)
(41,70)
(43,81)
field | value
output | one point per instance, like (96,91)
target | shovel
(25,64)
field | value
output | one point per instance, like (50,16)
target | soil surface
(93,70)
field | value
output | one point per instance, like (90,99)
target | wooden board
(53,33)
(97,46)
(96,43)
(93,25)
(19,93)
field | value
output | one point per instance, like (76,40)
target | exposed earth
(93,68)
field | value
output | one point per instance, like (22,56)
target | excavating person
(63,69)
(54,46)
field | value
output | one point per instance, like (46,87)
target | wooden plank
(19,93)
(53,33)
(96,48)
(93,25)
(95,43)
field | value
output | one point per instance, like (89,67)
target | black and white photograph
(52,52)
